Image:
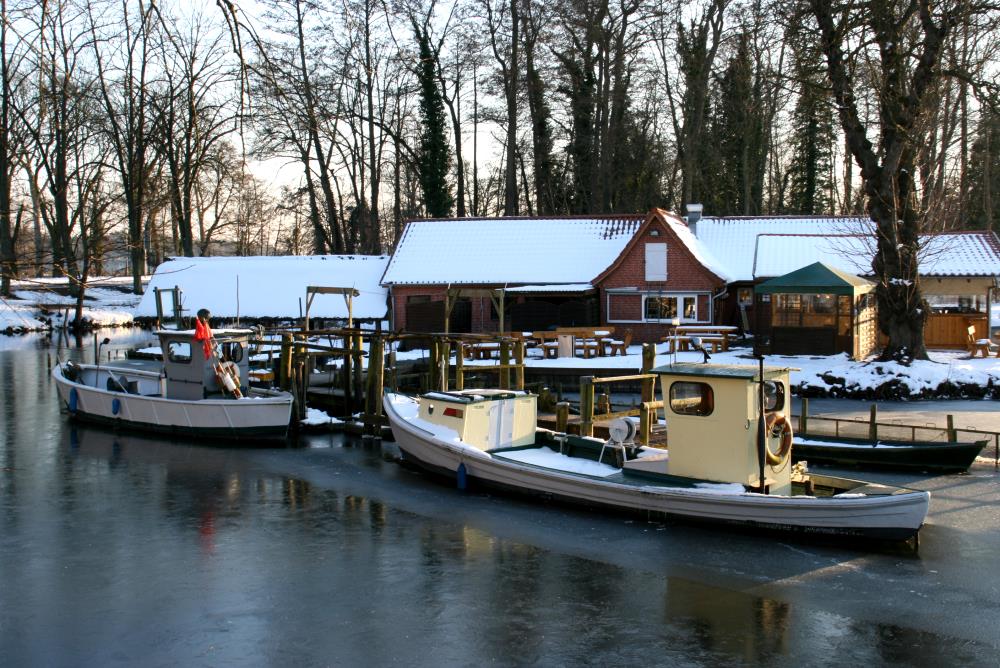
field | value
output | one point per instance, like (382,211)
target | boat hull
(252,418)
(921,456)
(890,517)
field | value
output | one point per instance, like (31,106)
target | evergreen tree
(809,172)
(434,156)
(738,129)
(984,174)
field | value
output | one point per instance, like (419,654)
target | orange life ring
(779,426)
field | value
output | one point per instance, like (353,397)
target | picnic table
(714,336)
(565,341)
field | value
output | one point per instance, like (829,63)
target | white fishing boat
(189,395)
(726,433)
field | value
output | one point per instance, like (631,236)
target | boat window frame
(707,399)
(778,395)
(176,358)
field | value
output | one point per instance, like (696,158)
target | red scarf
(203,333)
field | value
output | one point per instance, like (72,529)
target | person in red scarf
(202,332)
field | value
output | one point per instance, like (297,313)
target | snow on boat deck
(546,457)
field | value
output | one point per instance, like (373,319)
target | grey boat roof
(746,372)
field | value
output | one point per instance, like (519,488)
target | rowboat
(712,472)
(190,395)
(910,455)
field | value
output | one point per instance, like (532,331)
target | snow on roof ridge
(575,216)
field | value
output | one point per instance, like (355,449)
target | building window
(656,262)
(684,307)
(692,398)
(744,296)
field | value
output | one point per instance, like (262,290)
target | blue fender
(116,405)
(74,399)
(460,477)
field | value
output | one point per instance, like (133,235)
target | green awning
(817,278)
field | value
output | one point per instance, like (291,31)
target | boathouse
(638,273)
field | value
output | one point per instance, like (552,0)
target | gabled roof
(502,251)
(816,277)
(689,241)
(270,287)
(759,247)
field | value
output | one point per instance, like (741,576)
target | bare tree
(902,42)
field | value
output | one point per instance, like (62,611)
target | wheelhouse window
(774,396)
(669,307)
(179,351)
(688,398)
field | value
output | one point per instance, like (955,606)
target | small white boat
(710,473)
(189,396)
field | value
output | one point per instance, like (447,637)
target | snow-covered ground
(38,304)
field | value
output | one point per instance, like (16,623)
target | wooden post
(952,434)
(804,417)
(459,365)
(587,406)
(648,358)
(873,423)
(519,355)
(504,364)
(432,359)
(359,369)
(285,362)
(374,386)
(394,378)
(562,416)
(603,404)
(444,356)
(647,417)
(346,370)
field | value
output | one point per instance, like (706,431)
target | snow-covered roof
(733,240)
(271,287)
(564,287)
(946,254)
(761,247)
(498,251)
(698,248)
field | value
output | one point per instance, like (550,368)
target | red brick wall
(684,274)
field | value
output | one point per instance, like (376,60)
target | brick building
(637,272)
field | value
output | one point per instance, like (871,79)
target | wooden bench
(984,346)
(612,347)
(706,333)
(683,342)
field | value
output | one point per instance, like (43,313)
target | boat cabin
(712,413)
(189,376)
(485,419)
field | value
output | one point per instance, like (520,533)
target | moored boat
(712,471)
(910,455)
(190,395)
